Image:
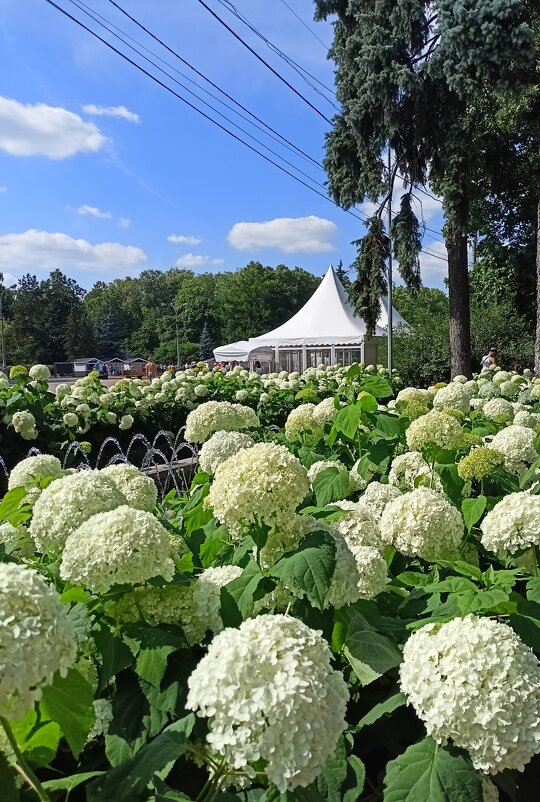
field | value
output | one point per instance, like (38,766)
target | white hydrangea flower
(71,419)
(123,546)
(31,470)
(498,409)
(241,395)
(67,502)
(24,424)
(36,638)
(126,422)
(103,712)
(376,496)
(473,680)
(410,470)
(110,417)
(478,403)
(528,419)
(413,394)
(288,713)
(501,376)
(453,396)
(360,572)
(39,373)
(220,447)
(216,416)
(357,525)
(325,411)
(516,444)
(10,536)
(488,390)
(302,425)
(264,483)
(422,523)
(471,387)
(435,428)
(200,390)
(513,523)
(490,792)
(140,491)
(509,389)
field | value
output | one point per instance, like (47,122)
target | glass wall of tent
(292,359)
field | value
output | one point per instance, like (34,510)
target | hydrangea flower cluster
(66,503)
(39,373)
(288,713)
(376,496)
(498,409)
(218,416)
(139,490)
(262,484)
(220,447)
(360,572)
(122,546)
(453,396)
(304,426)
(195,606)
(36,638)
(479,463)
(422,523)
(410,470)
(325,411)
(513,523)
(24,424)
(516,444)
(437,429)
(28,472)
(473,680)
(357,525)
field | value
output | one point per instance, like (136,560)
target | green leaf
(330,485)
(237,596)
(477,601)
(414,579)
(526,622)
(367,401)
(37,738)
(129,781)
(115,654)
(9,508)
(454,584)
(426,772)
(356,778)
(533,590)
(370,654)
(8,784)
(151,663)
(377,386)
(333,774)
(382,709)
(473,509)
(69,783)
(390,425)
(348,419)
(310,568)
(69,702)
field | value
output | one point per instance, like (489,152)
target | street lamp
(2,334)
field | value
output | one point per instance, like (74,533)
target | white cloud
(9,279)
(124,222)
(41,130)
(289,234)
(43,249)
(112,111)
(180,239)
(189,260)
(3,189)
(93,211)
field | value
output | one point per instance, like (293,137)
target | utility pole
(390,321)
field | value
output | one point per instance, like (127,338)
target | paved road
(54,382)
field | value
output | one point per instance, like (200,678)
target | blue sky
(104,173)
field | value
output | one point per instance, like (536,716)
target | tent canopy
(327,319)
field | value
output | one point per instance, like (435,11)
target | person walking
(150,369)
(490,359)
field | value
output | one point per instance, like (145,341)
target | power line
(302,72)
(215,122)
(201,75)
(307,27)
(263,61)
(194,94)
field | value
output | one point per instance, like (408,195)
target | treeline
(55,320)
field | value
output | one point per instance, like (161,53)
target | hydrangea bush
(342,606)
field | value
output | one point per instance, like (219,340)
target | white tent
(325,330)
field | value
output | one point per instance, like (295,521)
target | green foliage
(370,266)
(407,243)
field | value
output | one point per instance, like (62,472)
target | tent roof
(328,318)
(239,352)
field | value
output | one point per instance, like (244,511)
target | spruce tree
(406,73)
(206,343)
